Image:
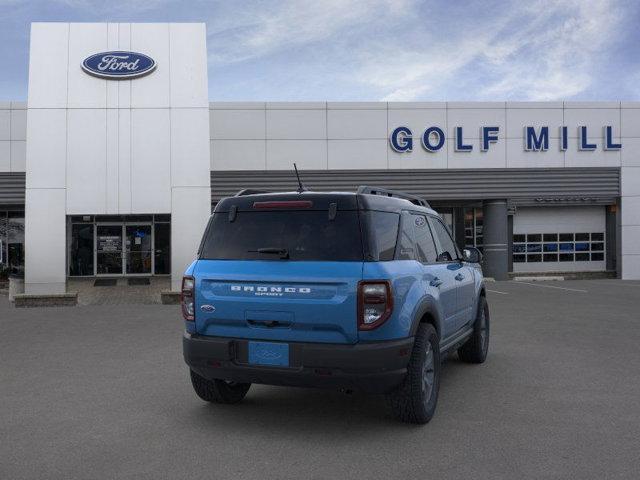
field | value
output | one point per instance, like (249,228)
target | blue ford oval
(118,65)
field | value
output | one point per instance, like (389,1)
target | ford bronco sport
(356,291)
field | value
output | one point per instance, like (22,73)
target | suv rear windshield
(302,234)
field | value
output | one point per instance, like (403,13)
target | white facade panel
(307,154)
(472,119)
(154,90)
(417,120)
(45,241)
(86,91)
(18,156)
(47,148)
(124,161)
(518,118)
(630,122)
(592,118)
(18,124)
(238,155)
(86,161)
(191,208)
(630,213)
(597,158)
(297,124)
(356,124)
(630,153)
(357,154)
(495,157)
(111,162)
(188,61)
(5,156)
(518,157)
(237,124)
(189,144)
(49,49)
(150,160)
(5,124)
(418,157)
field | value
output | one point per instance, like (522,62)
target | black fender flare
(427,306)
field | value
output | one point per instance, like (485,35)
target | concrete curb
(169,298)
(539,279)
(23,300)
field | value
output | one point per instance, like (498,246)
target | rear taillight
(187,301)
(375,303)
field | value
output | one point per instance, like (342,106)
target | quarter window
(424,240)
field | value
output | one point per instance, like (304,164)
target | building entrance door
(109,250)
(139,249)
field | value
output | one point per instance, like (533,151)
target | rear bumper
(375,367)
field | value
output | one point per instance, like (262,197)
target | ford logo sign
(118,65)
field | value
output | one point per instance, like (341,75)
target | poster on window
(109,243)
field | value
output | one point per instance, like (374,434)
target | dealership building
(113,164)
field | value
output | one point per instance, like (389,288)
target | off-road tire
(218,391)
(476,347)
(413,401)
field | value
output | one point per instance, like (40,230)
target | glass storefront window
(81,251)
(117,245)
(12,241)
(473,227)
(563,247)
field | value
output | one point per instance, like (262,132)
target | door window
(424,240)
(138,248)
(447,251)
(109,249)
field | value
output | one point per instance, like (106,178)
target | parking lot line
(551,286)
(496,291)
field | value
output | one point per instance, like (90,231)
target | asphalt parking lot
(102,392)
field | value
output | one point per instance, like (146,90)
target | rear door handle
(436,282)
(459,277)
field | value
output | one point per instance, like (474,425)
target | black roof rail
(249,191)
(368,190)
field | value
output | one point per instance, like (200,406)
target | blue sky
(377,49)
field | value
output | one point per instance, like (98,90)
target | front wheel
(476,347)
(218,391)
(414,401)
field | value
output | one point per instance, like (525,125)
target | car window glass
(447,250)
(383,233)
(406,250)
(424,240)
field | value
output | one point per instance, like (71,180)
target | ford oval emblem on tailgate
(207,308)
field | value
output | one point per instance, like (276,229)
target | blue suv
(355,291)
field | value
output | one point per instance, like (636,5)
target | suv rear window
(304,234)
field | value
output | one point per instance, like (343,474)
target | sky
(377,50)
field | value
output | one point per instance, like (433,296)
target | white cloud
(543,51)
(252,33)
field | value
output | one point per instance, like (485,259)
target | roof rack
(249,191)
(365,189)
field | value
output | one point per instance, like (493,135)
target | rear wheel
(414,401)
(218,391)
(475,349)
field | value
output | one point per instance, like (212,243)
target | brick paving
(121,293)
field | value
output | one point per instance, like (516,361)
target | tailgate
(278,300)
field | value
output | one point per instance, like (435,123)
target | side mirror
(471,255)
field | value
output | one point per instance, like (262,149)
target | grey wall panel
(529,185)
(12,189)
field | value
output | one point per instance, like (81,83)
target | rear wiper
(283,252)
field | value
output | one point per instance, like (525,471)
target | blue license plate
(267,353)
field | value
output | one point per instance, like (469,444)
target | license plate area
(268,353)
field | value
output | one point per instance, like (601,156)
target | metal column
(496,255)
